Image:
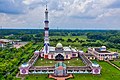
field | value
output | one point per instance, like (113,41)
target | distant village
(11,43)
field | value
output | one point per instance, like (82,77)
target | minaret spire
(46,5)
(46,38)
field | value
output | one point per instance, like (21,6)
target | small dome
(81,51)
(95,65)
(103,46)
(37,51)
(59,45)
(25,65)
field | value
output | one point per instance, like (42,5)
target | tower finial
(46,4)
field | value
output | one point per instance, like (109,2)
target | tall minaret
(46,38)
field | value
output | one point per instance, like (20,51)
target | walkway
(113,65)
(19,76)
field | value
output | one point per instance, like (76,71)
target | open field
(46,62)
(69,37)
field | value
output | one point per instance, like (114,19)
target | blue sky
(64,14)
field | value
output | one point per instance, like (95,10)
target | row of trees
(12,58)
(113,36)
(37,35)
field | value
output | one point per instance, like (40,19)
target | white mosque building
(60,53)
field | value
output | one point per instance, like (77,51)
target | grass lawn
(46,62)
(74,62)
(108,73)
(38,77)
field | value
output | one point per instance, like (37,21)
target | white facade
(66,52)
(102,54)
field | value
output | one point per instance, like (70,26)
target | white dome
(81,51)
(95,65)
(59,45)
(25,65)
(36,51)
(103,46)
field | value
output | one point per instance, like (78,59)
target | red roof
(60,68)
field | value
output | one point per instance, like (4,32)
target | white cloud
(78,13)
(7,21)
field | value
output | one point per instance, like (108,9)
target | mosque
(59,53)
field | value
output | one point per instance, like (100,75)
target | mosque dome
(59,45)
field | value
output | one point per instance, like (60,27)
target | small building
(96,69)
(4,42)
(101,53)
(24,68)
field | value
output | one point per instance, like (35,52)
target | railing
(79,68)
(41,68)
(33,59)
(85,59)
(79,72)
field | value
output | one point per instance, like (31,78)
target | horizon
(62,29)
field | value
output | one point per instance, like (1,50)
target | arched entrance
(59,57)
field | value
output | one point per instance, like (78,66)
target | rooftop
(98,50)
(66,49)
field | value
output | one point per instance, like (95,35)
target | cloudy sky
(63,14)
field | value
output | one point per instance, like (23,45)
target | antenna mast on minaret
(46,38)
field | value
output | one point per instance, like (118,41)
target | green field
(74,62)
(69,37)
(46,62)
(38,77)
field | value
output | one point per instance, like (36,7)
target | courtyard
(46,62)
